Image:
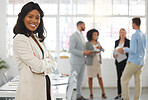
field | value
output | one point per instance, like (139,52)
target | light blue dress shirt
(137,48)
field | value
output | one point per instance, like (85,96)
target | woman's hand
(99,47)
(87,52)
(115,56)
(97,51)
(120,50)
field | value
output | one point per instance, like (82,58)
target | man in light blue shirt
(135,61)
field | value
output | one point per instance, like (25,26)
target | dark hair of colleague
(121,65)
(90,34)
(95,67)
(20,27)
(79,23)
(137,21)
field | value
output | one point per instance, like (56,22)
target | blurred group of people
(89,53)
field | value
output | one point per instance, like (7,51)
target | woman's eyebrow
(33,15)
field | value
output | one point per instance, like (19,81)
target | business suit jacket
(76,49)
(126,44)
(31,65)
(89,58)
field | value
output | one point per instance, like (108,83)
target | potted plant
(3,64)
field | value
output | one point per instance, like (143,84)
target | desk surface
(59,84)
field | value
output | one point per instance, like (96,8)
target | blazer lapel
(36,47)
(79,38)
(43,47)
(125,43)
(92,48)
(117,43)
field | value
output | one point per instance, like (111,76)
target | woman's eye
(37,18)
(30,16)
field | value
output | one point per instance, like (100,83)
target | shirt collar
(79,32)
(138,30)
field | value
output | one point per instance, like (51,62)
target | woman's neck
(31,34)
(122,39)
(94,41)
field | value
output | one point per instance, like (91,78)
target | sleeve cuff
(50,66)
(45,65)
(125,49)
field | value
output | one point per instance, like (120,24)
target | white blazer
(32,68)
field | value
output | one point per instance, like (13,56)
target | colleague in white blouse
(34,61)
(94,61)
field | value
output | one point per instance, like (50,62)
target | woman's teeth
(32,25)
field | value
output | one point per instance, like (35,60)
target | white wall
(10,61)
(108,66)
(3,28)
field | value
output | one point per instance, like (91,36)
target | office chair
(71,84)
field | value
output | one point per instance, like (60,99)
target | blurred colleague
(135,61)
(94,61)
(33,59)
(121,42)
(77,56)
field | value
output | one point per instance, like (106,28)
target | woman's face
(32,20)
(122,34)
(95,36)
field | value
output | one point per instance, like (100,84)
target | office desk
(58,82)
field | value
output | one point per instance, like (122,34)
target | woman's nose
(34,20)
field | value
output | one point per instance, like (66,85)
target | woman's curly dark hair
(90,34)
(20,27)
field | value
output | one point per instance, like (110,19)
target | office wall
(3,22)
(3,28)
(108,67)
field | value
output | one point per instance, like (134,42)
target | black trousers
(120,68)
(48,87)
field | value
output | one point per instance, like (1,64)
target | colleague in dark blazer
(121,42)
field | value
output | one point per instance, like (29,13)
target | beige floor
(111,93)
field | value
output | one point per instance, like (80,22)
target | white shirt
(120,46)
(82,37)
(96,49)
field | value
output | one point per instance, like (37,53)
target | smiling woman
(34,61)
(32,20)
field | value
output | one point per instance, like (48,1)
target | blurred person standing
(135,61)
(94,61)
(121,42)
(77,56)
